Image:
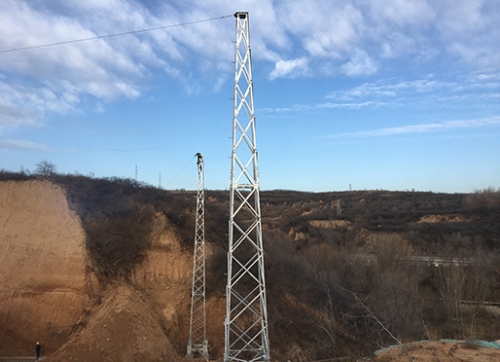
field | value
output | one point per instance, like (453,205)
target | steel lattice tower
(197,333)
(246,326)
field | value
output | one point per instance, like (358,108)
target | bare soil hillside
(100,270)
(123,328)
(44,281)
(51,292)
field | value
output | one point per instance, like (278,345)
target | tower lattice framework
(246,326)
(198,344)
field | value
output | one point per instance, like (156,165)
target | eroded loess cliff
(44,282)
(50,293)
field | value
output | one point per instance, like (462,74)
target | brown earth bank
(50,292)
(439,351)
(44,280)
(123,327)
(100,270)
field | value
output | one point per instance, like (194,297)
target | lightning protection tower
(246,327)
(197,333)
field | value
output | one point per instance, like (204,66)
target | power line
(156,194)
(113,35)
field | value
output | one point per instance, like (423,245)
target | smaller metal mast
(197,333)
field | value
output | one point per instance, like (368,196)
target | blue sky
(380,94)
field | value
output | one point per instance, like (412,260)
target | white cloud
(470,91)
(359,35)
(352,105)
(325,30)
(402,12)
(311,38)
(22,145)
(55,79)
(25,105)
(460,17)
(16,116)
(423,128)
(293,108)
(451,90)
(391,88)
(289,68)
(359,64)
(470,31)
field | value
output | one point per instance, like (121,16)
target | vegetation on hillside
(325,297)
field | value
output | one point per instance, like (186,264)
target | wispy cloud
(11,115)
(444,90)
(389,88)
(421,128)
(481,90)
(23,145)
(293,108)
(350,105)
(326,105)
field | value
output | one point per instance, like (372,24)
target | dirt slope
(44,285)
(122,328)
(49,293)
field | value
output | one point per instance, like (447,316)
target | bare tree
(383,327)
(329,328)
(45,168)
(463,289)
(395,297)
(387,283)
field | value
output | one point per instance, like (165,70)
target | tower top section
(241,14)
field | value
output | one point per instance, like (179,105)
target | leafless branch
(374,317)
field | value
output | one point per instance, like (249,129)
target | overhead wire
(116,35)
(148,203)
(183,167)
(158,191)
(112,35)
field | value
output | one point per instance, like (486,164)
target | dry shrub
(116,244)
(486,198)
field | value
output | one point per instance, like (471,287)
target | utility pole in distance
(246,326)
